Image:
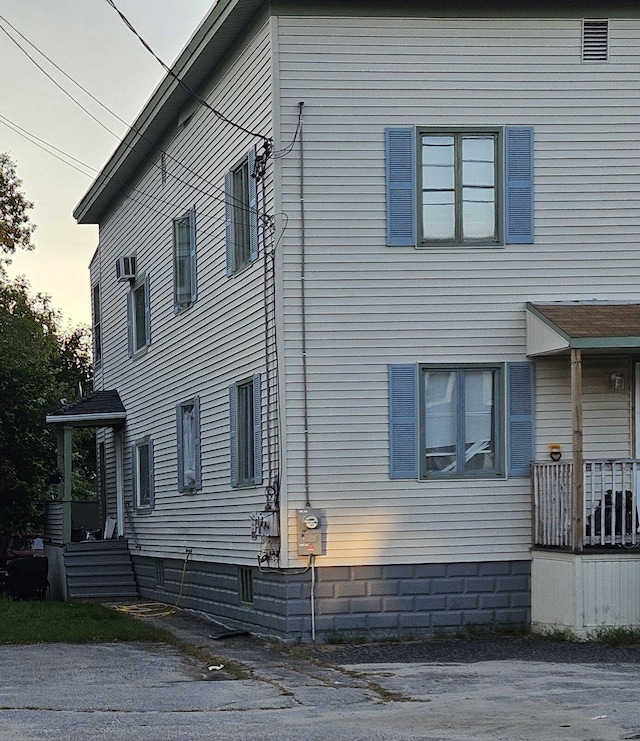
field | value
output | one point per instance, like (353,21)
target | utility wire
(226,197)
(42,144)
(181,82)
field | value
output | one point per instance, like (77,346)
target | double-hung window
(459,187)
(245,417)
(241,214)
(184,261)
(97,324)
(142,474)
(471,421)
(188,444)
(461,421)
(138,316)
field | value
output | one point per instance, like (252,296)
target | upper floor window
(142,474)
(241,214)
(188,441)
(138,315)
(459,183)
(184,260)
(245,415)
(459,187)
(97,324)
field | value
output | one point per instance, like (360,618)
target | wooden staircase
(99,570)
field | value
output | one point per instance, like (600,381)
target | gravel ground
(471,650)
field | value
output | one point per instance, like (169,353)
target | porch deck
(610,514)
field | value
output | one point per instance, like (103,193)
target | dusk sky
(90,43)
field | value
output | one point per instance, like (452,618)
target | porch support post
(67,469)
(119,481)
(577,493)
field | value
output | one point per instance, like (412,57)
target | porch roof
(97,409)
(558,327)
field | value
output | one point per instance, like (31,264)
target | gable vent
(595,41)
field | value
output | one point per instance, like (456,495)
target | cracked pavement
(437,691)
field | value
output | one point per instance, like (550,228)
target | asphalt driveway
(483,689)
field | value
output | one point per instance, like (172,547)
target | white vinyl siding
(201,351)
(369,305)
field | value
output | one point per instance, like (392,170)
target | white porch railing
(610,503)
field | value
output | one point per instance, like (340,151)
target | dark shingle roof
(97,409)
(593,319)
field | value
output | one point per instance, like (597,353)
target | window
(245,415)
(97,325)
(138,320)
(449,421)
(459,187)
(142,474)
(188,440)
(459,182)
(241,215)
(184,261)
(460,423)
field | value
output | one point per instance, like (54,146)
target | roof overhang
(97,409)
(203,53)
(594,326)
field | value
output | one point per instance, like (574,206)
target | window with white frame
(142,474)
(138,316)
(184,260)
(97,324)
(241,214)
(188,445)
(245,414)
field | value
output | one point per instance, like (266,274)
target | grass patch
(78,622)
(619,637)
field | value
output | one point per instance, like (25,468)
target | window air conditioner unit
(126,267)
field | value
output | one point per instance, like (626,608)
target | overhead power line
(60,154)
(106,108)
(181,82)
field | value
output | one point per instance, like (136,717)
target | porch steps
(99,570)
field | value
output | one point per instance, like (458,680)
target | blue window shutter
(196,423)
(152,493)
(253,205)
(134,466)
(179,447)
(192,254)
(233,422)
(257,430)
(401,187)
(403,421)
(147,309)
(228,221)
(130,323)
(520,418)
(519,210)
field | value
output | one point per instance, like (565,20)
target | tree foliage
(39,365)
(16,228)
